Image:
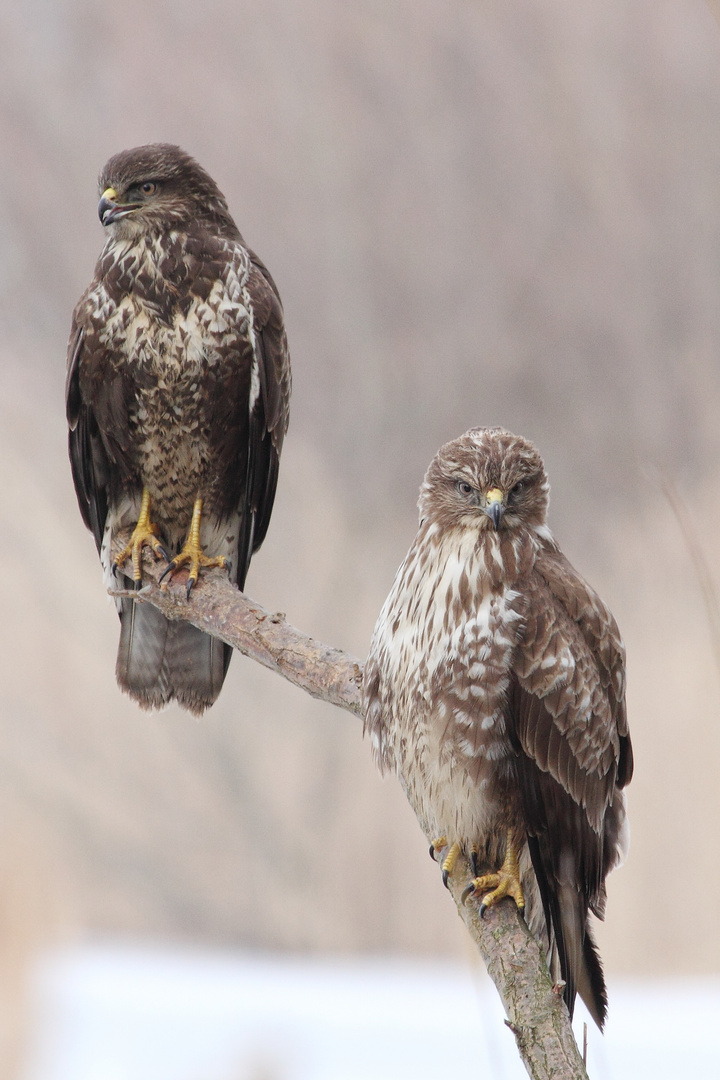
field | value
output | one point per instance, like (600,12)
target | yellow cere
(494,495)
(109,193)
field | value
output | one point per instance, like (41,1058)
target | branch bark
(536,1012)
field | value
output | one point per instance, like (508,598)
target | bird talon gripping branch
(449,862)
(143,535)
(496,886)
(437,846)
(192,553)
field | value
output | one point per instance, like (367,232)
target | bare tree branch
(223,611)
(536,1012)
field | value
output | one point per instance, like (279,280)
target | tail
(161,661)
(566,910)
(591,981)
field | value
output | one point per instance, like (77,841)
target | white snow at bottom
(117,1013)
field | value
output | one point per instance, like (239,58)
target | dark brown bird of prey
(495,687)
(177,399)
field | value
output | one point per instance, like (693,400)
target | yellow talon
(449,862)
(143,533)
(192,553)
(506,882)
(437,845)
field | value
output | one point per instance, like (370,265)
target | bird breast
(179,352)
(443,645)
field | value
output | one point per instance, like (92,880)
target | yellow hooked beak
(494,507)
(109,209)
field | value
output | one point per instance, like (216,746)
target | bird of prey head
(156,188)
(486,479)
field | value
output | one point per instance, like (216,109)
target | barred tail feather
(195,664)
(160,661)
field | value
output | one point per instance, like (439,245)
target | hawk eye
(517,488)
(148,188)
(464,488)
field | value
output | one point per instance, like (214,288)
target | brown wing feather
(566,721)
(572,658)
(247,446)
(88,460)
(270,417)
(600,631)
(275,382)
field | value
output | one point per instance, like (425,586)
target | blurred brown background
(477,212)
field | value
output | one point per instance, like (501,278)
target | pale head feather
(481,460)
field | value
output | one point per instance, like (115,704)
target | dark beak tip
(495,513)
(109,210)
(105,211)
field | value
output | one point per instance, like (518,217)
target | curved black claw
(482,909)
(164,552)
(445,877)
(168,570)
(466,893)
(137,585)
(189,587)
(474,863)
(431,852)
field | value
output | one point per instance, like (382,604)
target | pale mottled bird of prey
(178,388)
(495,687)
